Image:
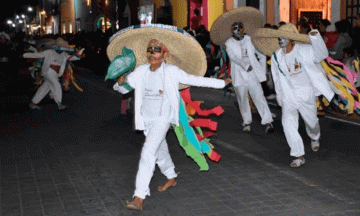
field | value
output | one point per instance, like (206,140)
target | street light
(30,9)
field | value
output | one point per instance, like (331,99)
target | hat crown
(289,27)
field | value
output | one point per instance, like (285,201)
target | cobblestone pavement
(83,161)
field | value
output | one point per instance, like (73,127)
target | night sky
(14,6)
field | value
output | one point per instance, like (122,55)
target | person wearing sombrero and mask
(248,66)
(162,57)
(298,80)
(54,65)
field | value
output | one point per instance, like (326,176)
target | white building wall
(335,13)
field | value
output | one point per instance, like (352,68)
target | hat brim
(185,51)
(266,39)
(60,42)
(251,17)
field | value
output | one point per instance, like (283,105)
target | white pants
(51,84)
(252,87)
(290,120)
(154,151)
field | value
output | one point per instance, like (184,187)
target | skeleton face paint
(283,42)
(237,30)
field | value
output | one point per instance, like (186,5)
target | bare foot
(135,204)
(169,183)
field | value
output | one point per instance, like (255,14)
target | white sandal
(297,162)
(315,145)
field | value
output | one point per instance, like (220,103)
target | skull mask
(283,42)
(237,30)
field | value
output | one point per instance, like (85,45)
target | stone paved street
(83,161)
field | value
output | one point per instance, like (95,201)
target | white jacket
(310,56)
(173,76)
(238,68)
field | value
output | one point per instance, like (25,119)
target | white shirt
(155,103)
(173,76)
(244,53)
(297,74)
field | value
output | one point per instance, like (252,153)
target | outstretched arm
(200,81)
(35,55)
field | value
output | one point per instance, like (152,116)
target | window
(77,25)
(352,9)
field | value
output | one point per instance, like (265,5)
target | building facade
(71,16)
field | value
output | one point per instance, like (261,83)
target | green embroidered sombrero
(185,51)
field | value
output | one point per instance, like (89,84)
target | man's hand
(121,80)
(250,68)
(227,81)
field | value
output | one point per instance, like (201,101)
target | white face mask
(283,42)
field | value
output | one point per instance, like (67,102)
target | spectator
(267,25)
(281,23)
(356,34)
(344,40)
(196,21)
(322,26)
(304,28)
(301,21)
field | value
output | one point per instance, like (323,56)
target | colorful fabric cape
(343,81)
(191,137)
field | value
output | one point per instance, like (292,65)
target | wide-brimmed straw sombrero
(185,51)
(266,39)
(46,43)
(220,31)
(60,42)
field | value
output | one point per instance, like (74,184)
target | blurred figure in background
(344,40)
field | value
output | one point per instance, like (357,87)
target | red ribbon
(185,94)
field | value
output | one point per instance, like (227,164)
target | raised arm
(318,46)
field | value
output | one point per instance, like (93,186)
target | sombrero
(185,51)
(46,43)
(60,42)
(251,17)
(266,39)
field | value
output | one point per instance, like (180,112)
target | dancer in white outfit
(157,99)
(248,66)
(247,73)
(53,67)
(298,80)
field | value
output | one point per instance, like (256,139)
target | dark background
(8,9)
